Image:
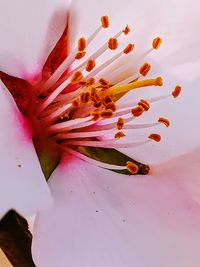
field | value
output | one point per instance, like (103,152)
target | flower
(89,195)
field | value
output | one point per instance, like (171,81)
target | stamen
(106,114)
(155,137)
(120,123)
(104,82)
(132,167)
(119,135)
(137,111)
(126,30)
(143,103)
(82,43)
(144,69)
(90,65)
(80,55)
(111,106)
(128,48)
(113,43)
(176,91)
(95,115)
(85,97)
(164,121)
(76,77)
(104,21)
(156,42)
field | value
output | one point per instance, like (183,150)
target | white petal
(23,186)
(110,220)
(25,30)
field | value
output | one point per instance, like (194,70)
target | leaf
(20,89)
(112,156)
(15,240)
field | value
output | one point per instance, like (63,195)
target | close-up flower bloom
(99,130)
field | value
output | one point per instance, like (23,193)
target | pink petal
(23,186)
(105,219)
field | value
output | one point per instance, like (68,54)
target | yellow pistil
(134,85)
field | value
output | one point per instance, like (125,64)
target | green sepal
(114,157)
(48,163)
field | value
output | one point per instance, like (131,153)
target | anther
(137,111)
(145,68)
(128,48)
(85,97)
(126,30)
(106,114)
(91,81)
(104,21)
(104,82)
(76,103)
(107,99)
(119,135)
(97,104)
(112,43)
(132,167)
(90,65)
(82,44)
(164,121)
(80,54)
(95,115)
(155,137)
(120,123)
(76,77)
(156,42)
(143,103)
(176,91)
(111,106)
(83,83)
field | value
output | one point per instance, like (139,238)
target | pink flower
(98,217)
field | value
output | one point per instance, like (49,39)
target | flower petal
(101,219)
(23,185)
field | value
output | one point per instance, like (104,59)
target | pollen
(82,44)
(120,123)
(176,92)
(104,21)
(165,121)
(126,30)
(155,137)
(76,77)
(132,167)
(145,69)
(156,42)
(128,48)
(119,135)
(143,103)
(90,65)
(137,111)
(113,43)
(96,116)
(80,55)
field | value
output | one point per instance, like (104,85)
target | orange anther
(158,81)
(103,82)
(119,135)
(90,65)
(82,44)
(155,137)
(106,114)
(107,99)
(120,123)
(97,104)
(76,77)
(95,115)
(104,21)
(132,167)
(91,81)
(176,91)
(112,43)
(126,30)
(137,111)
(166,122)
(85,97)
(76,103)
(143,103)
(80,54)
(156,42)
(128,48)
(83,83)
(144,69)
(111,106)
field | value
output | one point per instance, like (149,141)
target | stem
(15,240)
